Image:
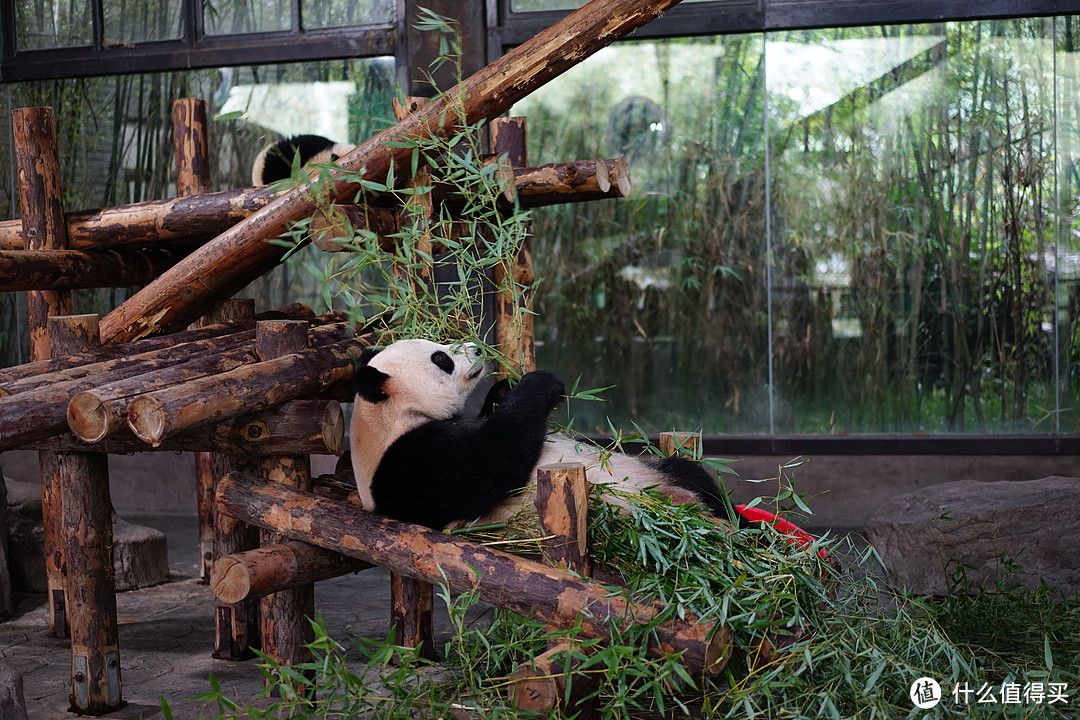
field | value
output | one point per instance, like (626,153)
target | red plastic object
(798,536)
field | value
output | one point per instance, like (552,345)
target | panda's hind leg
(692,477)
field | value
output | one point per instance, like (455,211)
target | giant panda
(274,162)
(417,458)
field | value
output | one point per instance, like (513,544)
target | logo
(925,693)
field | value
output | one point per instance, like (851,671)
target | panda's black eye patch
(443,361)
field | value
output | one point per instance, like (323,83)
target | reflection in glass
(334,13)
(48,24)
(132,21)
(912,264)
(226,17)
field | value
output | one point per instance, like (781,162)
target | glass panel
(228,17)
(48,24)
(1064,266)
(338,13)
(661,295)
(116,146)
(132,21)
(912,227)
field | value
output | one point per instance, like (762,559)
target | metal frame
(193,50)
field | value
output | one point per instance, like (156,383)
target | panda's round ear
(368,383)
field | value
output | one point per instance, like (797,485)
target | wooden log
(41,222)
(523,586)
(273,568)
(72,269)
(152,344)
(42,212)
(562,503)
(299,427)
(334,227)
(231,310)
(156,415)
(540,685)
(103,410)
(411,607)
(190,147)
(562,506)
(90,578)
(514,328)
(285,629)
(153,223)
(686,444)
(230,261)
(576,181)
(236,626)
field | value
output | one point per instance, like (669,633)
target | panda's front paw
(542,386)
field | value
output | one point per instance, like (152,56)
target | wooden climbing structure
(183,366)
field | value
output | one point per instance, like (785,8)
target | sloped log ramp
(520,585)
(239,255)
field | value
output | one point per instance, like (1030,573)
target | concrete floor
(167,636)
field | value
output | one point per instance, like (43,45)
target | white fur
(335,151)
(418,392)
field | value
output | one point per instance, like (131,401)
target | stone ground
(167,636)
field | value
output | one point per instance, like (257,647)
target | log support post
(551,681)
(284,628)
(513,301)
(685,444)
(226,312)
(44,228)
(90,579)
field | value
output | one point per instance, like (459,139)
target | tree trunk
(523,586)
(240,254)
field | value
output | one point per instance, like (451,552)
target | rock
(924,536)
(12,699)
(140,554)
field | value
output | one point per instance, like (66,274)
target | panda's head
(419,380)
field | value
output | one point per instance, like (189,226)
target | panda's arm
(448,470)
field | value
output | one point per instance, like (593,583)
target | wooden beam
(230,261)
(520,585)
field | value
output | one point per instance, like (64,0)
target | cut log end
(718,651)
(619,176)
(87,417)
(230,581)
(334,428)
(146,417)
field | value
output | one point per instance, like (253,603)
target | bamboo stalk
(520,585)
(237,256)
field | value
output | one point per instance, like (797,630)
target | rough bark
(240,254)
(90,578)
(236,627)
(333,227)
(62,270)
(156,415)
(520,585)
(273,568)
(575,181)
(154,223)
(191,150)
(562,503)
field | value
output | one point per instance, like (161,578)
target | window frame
(193,50)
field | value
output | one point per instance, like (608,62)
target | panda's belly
(622,472)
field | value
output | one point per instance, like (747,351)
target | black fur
(449,470)
(278,162)
(692,476)
(367,381)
